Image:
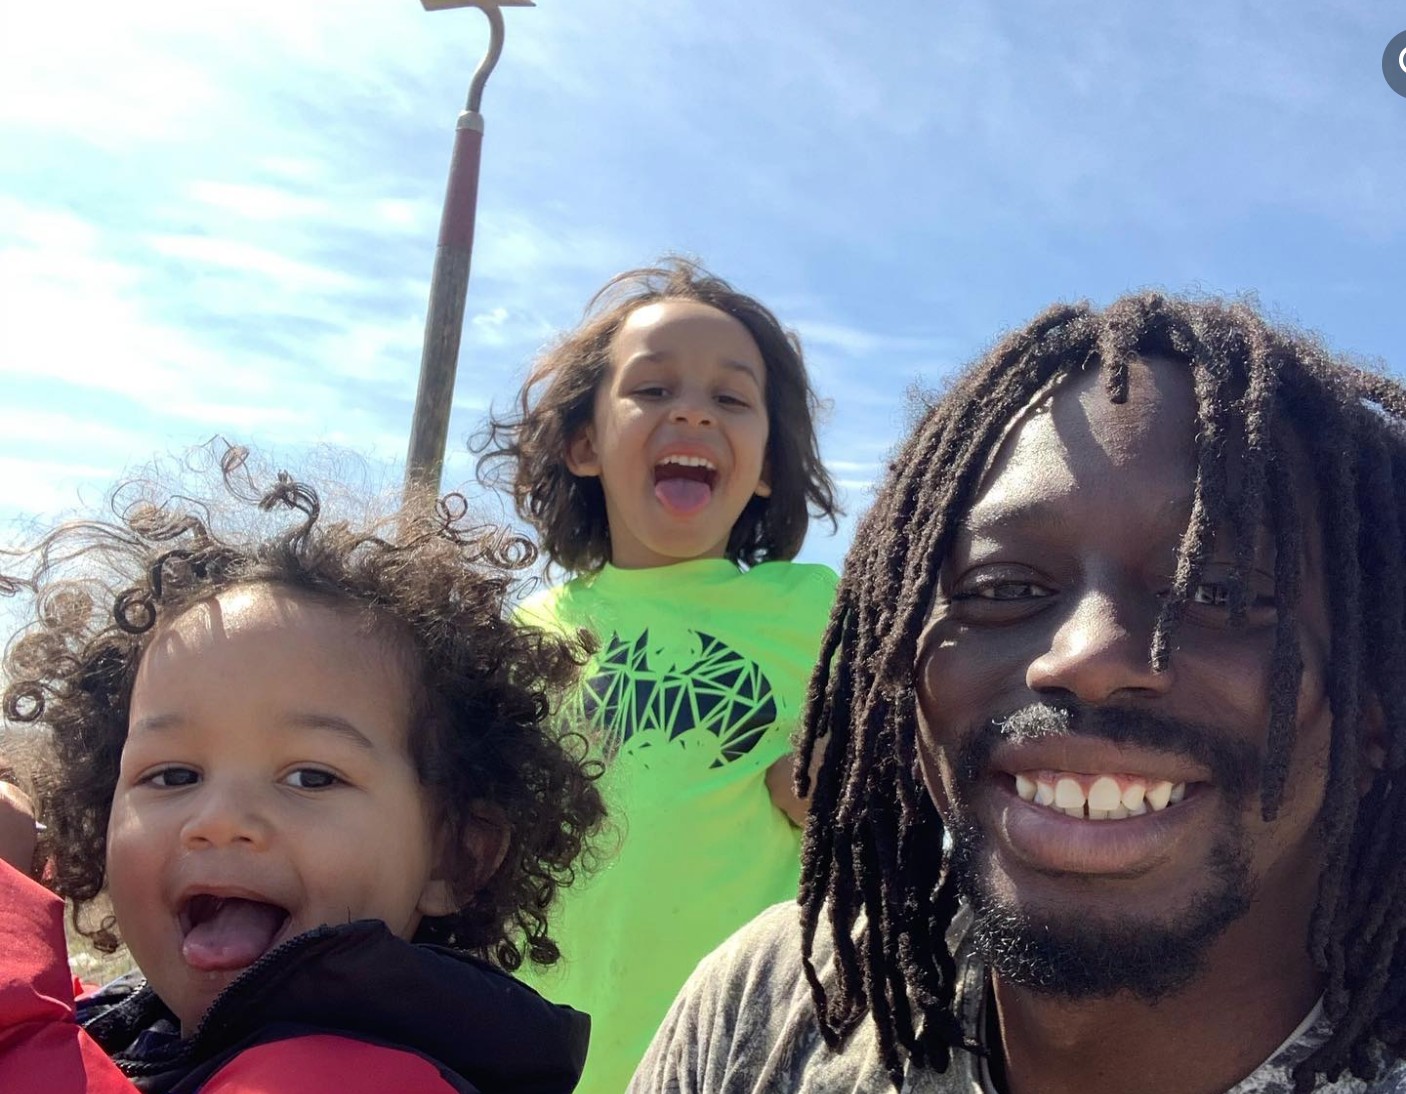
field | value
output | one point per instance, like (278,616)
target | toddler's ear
(581,457)
(486,841)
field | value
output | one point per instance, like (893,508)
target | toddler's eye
(172,777)
(311,778)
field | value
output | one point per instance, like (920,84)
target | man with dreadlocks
(1112,710)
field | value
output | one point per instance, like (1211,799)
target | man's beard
(1092,955)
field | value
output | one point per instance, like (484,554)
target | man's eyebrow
(332,723)
(1048,512)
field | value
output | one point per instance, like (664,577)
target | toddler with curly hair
(312,768)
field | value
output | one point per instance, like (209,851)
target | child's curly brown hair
(480,732)
(558,400)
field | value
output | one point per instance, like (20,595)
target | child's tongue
(235,934)
(683,496)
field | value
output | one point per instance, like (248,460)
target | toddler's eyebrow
(332,724)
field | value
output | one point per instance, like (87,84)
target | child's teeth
(1025,787)
(1070,795)
(689,461)
(1158,795)
(1104,795)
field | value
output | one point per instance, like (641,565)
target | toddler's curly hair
(426,577)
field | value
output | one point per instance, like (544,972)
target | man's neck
(1201,1040)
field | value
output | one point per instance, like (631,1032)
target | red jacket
(347,1010)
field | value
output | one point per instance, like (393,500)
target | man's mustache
(1234,765)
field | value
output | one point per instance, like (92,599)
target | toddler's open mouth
(228,932)
(684,484)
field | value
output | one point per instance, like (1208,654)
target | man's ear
(486,839)
(581,457)
(1371,759)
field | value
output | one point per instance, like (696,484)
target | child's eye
(733,400)
(311,778)
(172,777)
(652,391)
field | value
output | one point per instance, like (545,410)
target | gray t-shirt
(744,1024)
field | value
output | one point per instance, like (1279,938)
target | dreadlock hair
(873,859)
(430,581)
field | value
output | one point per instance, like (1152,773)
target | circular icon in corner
(1394,64)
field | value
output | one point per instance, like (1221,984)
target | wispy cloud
(221,217)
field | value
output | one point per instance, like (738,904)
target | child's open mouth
(684,484)
(228,932)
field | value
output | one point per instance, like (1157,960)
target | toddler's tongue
(235,934)
(681,496)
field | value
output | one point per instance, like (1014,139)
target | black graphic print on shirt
(632,697)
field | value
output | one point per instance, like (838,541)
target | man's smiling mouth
(1099,797)
(222,932)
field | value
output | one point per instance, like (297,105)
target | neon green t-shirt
(694,693)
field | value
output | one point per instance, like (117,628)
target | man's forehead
(1073,438)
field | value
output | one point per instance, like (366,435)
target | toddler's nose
(223,816)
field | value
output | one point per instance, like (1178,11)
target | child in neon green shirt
(665,451)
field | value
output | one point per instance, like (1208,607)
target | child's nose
(692,410)
(225,816)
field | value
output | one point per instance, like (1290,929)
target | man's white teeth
(1104,795)
(1069,794)
(1105,798)
(689,461)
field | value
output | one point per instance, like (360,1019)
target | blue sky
(219,217)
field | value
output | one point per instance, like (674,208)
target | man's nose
(1100,651)
(225,815)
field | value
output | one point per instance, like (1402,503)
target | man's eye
(1211,593)
(1010,590)
(1216,594)
(311,778)
(171,777)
